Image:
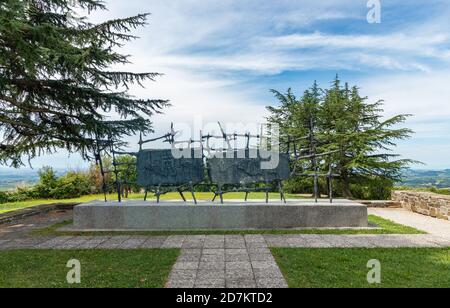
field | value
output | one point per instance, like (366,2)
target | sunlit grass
(8,207)
(384,227)
(347,267)
(99,268)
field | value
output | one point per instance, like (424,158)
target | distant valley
(427,178)
(10,179)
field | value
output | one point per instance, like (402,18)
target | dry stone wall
(424,203)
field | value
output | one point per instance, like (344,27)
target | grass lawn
(387,227)
(99,268)
(343,268)
(8,207)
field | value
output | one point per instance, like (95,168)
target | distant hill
(427,178)
(10,178)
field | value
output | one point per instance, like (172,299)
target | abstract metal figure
(241,168)
(159,171)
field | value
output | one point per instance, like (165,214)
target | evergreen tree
(298,120)
(57,88)
(346,124)
(364,139)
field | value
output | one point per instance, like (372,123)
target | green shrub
(372,189)
(440,191)
(3,196)
(72,185)
(22,194)
(299,185)
(47,183)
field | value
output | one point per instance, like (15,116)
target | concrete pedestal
(171,216)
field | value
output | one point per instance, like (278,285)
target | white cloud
(427,98)
(250,36)
(396,42)
(203,46)
(202,96)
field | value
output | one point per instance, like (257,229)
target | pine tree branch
(29,108)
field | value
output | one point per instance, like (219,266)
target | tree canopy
(348,126)
(57,85)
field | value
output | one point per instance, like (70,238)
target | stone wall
(425,203)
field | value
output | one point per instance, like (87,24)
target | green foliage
(441,191)
(47,182)
(347,267)
(22,194)
(298,185)
(57,88)
(72,185)
(341,121)
(128,175)
(372,189)
(145,268)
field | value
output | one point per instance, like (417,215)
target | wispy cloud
(217,54)
(420,45)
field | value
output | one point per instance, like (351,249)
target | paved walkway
(226,261)
(231,261)
(230,242)
(437,227)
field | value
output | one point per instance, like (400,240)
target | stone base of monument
(172,216)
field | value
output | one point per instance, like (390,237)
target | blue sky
(221,57)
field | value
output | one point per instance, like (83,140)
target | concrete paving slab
(238,265)
(213,258)
(234,274)
(186,266)
(267,273)
(210,283)
(271,283)
(113,242)
(210,274)
(241,283)
(214,251)
(237,257)
(175,241)
(181,284)
(212,265)
(183,275)
(154,242)
(54,242)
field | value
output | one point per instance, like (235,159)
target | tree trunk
(328,187)
(346,184)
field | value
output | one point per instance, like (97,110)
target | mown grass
(8,207)
(384,227)
(99,268)
(347,268)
